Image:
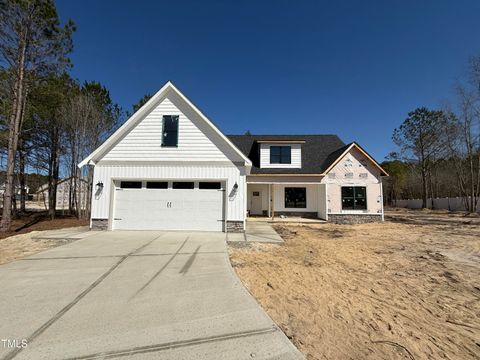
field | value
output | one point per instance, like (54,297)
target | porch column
(272,193)
(269,199)
(322,202)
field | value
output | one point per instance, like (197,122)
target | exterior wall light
(99,185)
(235,187)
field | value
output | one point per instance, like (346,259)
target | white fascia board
(147,107)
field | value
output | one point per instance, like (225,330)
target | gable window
(170,131)
(280,154)
(354,198)
(295,197)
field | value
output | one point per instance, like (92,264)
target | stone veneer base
(99,224)
(304,214)
(234,226)
(354,218)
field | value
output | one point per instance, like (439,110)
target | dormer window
(280,154)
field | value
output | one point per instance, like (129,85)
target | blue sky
(352,68)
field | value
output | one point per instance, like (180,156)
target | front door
(256,206)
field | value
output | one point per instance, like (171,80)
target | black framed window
(209,185)
(354,198)
(131,184)
(295,197)
(170,131)
(280,154)
(182,185)
(157,185)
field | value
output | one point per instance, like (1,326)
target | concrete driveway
(140,295)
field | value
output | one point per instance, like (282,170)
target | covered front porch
(286,199)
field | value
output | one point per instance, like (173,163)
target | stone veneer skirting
(99,224)
(305,214)
(354,218)
(234,226)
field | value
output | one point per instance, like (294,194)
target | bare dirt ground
(395,290)
(427,216)
(20,242)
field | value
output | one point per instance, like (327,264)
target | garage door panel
(168,209)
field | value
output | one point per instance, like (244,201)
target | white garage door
(177,205)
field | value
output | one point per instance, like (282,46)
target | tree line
(48,120)
(439,149)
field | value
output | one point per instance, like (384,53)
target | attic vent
(332,175)
(349,175)
(363,175)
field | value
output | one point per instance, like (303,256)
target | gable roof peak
(143,111)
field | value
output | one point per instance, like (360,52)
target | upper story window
(170,131)
(280,154)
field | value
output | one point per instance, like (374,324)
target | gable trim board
(205,154)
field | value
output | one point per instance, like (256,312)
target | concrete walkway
(139,295)
(262,232)
(256,231)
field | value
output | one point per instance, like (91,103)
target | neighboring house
(18,190)
(170,168)
(63,194)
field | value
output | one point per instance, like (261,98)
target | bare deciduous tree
(419,138)
(88,118)
(461,130)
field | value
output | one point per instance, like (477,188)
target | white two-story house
(168,167)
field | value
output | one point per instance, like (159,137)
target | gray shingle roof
(318,151)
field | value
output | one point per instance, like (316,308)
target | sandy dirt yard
(23,245)
(21,242)
(403,289)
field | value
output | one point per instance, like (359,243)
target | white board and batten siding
(354,169)
(196,142)
(201,155)
(296,156)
